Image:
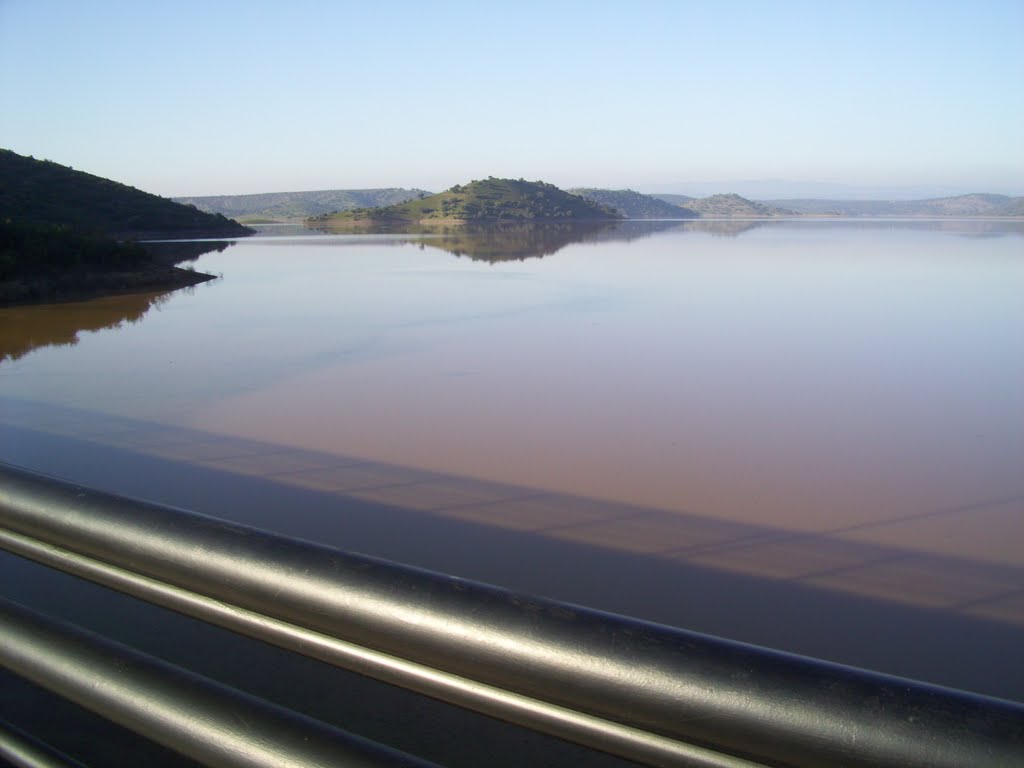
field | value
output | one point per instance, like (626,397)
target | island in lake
(68,235)
(488,200)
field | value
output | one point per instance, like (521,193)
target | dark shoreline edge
(93,285)
(156,272)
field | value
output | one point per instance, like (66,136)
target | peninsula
(68,235)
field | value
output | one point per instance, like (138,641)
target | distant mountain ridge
(673,199)
(296,206)
(299,206)
(726,206)
(490,199)
(978,204)
(788,189)
(632,204)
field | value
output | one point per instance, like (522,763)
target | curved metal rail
(209,722)
(650,693)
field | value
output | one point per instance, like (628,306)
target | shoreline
(83,286)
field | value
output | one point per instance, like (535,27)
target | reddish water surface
(757,429)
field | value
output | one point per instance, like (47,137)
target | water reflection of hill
(515,242)
(725,227)
(23,329)
(499,241)
(959,227)
(496,241)
(179,251)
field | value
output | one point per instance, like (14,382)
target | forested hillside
(63,233)
(45,193)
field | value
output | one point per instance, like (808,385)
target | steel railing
(647,692)
(22,749)
(207,721)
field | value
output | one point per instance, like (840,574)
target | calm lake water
(803,434)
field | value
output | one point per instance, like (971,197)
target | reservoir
(804,434)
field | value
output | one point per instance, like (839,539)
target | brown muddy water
(802,434)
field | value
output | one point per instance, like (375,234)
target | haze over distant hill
(786,189)
(725,205)
(296,206)
(634,205)
(673,199)
(491,199)
(960,205)
(300,206)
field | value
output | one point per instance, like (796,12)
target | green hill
(40,192)
(478,201)
(296,206)
(634,205)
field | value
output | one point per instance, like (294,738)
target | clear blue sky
(211,97)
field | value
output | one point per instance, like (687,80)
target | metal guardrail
(650,693)
(211,723)
(22,749)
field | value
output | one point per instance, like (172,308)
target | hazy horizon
(238,98)
(755,189)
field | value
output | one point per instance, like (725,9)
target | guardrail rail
(653,694)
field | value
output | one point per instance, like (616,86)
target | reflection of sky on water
(855,381)
(675,354)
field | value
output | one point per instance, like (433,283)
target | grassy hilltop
(478,201)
